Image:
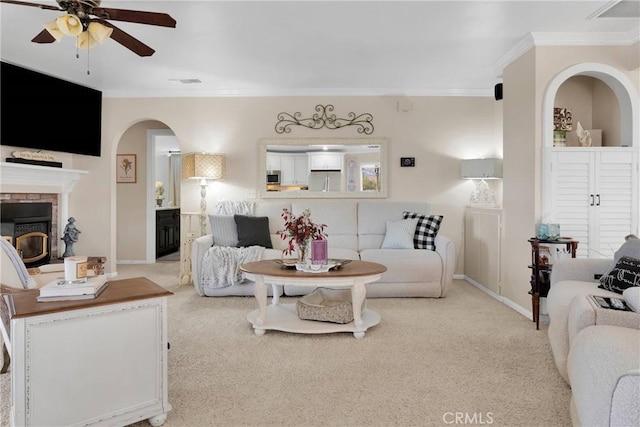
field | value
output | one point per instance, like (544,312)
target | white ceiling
(266,48)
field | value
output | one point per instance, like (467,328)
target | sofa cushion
(399,234)
(625,274)
(340,218)
(407,265)
(253,230)
(223,230)
(426,230)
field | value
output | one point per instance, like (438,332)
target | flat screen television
(39,111)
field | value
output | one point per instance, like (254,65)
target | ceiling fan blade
(127,40)
(136,16)
(43,37)
(38,5)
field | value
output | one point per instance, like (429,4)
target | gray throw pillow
(223,230)
(253,231)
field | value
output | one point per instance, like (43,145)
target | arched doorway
(150,141)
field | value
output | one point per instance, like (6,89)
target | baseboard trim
(506,301)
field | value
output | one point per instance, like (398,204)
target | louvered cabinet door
(616,199)
(572,185)
(595,197)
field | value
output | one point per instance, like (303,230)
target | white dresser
(89,362)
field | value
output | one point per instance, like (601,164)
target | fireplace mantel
(15,176)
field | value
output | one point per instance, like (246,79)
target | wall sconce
(481,170)
(203,166)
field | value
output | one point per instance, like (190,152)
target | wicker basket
(326,305)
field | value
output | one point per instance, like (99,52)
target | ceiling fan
(89,22)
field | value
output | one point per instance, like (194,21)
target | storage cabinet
(167,231)
(294,169)
(594,196)
(325,161)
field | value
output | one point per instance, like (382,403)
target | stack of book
(61,290)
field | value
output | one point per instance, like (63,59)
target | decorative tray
(333,264)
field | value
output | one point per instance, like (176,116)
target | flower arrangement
(159,190)
(300,230)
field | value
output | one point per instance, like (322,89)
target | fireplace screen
(28,226)
(32,247)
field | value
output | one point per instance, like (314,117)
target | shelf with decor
(541,266)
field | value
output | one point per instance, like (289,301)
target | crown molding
(258,93)
(565,39)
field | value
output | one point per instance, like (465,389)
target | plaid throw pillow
(426,230)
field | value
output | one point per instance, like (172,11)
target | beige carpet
(426,361)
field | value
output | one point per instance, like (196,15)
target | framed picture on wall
(126,168)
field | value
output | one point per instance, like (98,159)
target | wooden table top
(24,304)
(352,269)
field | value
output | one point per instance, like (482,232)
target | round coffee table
(283,317)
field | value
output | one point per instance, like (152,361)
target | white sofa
(596,350)
(356,230)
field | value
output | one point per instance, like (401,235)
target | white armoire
(594,196)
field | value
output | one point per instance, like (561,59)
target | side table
(541,270)
(185,252)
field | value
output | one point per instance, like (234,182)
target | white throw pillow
(632,297)
(399,234)
(224,230)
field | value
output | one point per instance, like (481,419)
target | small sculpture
(584,136)
(70,237)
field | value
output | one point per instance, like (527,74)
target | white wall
(438,133)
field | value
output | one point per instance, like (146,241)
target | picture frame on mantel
(126,169)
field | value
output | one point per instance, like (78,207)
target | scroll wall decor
(325,118)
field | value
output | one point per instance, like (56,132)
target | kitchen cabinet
(273,162)
(167,231)
(294,169)
(594,196)
(325,161)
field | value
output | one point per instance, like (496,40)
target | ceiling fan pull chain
(88,62)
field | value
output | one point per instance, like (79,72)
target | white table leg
(260,293)
(358,295)
(276,290)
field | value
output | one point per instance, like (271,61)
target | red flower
(300,229)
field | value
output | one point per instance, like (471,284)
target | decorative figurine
(70,237)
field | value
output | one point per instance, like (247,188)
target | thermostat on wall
(407,162)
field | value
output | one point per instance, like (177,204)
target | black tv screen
(39,111)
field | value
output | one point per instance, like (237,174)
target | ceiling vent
(618,9)
(186,81)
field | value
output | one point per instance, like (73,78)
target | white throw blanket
(221,266)
(231,207)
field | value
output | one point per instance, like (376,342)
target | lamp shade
(203,166)
(100,33)
(70,25)
(481,168)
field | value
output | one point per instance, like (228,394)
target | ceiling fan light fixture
(70,25)
(98,32)
(85,41)
(52,28)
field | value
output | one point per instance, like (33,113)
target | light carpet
(427,362)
